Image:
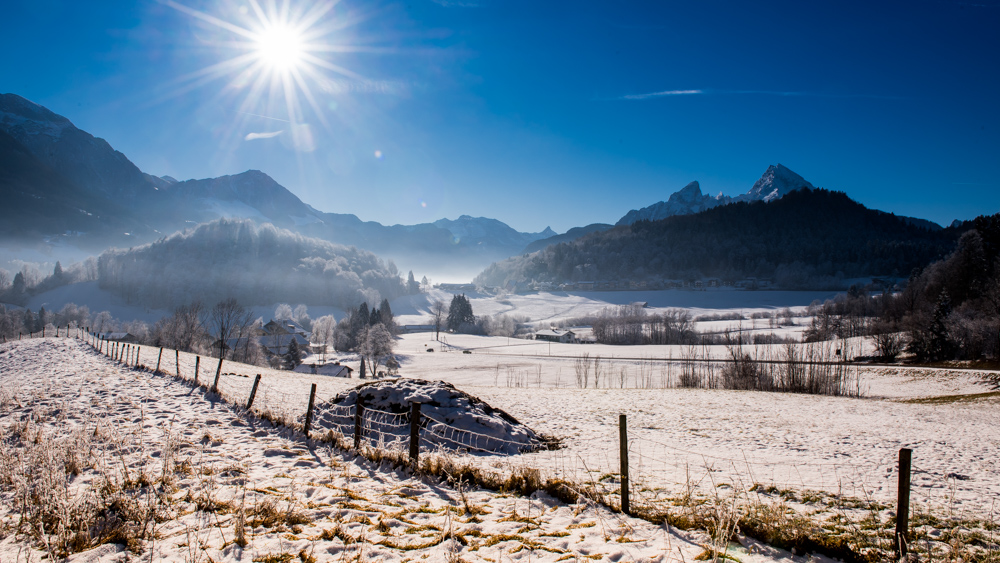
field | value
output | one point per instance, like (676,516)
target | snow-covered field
(833,444)
(681,441)
(552,308)
(104,453)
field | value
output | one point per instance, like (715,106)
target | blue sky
(544,113)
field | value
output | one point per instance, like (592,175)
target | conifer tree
(293,357)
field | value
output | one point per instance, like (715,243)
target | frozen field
(234,488)
(806,448)
(832,444)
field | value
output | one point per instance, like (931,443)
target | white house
(556,335)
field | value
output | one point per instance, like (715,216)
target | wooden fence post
(138,351)
(253,391)
(414,432)
(197,368)
(309,409)
(158,358)
(218,372)
(623,458)
(903,501)
(359,413)
(177,361)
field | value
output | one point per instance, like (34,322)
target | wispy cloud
(268,135)
(783,93)
(456,3)
(660,94)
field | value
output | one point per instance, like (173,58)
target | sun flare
(279,58)
(280,47)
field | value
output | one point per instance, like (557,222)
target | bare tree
(597,371)
(4,279)
(231,320)
(582,367)
(439,311)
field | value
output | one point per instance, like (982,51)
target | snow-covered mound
(450,419)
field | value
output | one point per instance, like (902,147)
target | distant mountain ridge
(776,182)
(88,171)
(806,239)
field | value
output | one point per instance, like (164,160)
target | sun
(280,47)
(278,57)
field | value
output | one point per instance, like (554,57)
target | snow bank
(450,419)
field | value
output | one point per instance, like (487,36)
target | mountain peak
(688,193)
(776,181)
(685,201)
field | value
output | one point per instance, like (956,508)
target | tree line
(948,310)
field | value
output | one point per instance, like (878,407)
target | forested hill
(258,265)
(809,238)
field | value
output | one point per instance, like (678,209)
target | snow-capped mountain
(776,182)
(687,201)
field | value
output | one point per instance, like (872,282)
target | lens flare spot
(423,203)
(378,155)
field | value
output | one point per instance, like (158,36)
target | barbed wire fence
(651,477)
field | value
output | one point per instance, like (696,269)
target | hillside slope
(805,238)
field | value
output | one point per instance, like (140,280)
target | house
(556,335)
(334,369)
(457,286)
(119,337)
(283,327)
(277,344)
(416,328)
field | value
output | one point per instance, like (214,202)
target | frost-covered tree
(323,330)
(377,347)
(301,316)
(72,315)
(103,322)
(283,312)
(183,330)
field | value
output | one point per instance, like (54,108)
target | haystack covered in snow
(450,419)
